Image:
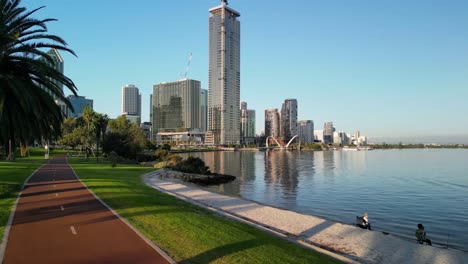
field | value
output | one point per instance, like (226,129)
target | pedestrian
(363,221)
(421,235)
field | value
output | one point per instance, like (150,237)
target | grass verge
(188,233)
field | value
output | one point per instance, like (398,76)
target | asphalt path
(57,220)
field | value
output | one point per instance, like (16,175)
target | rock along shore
(196,178)
(346,242)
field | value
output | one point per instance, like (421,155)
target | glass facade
(176,106)
(79,103)
(224,75)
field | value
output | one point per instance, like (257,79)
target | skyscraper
(305,130)
(176,106)
(79,103)
(247,124)
(131,100)
(203,109)
(328,130)
(272,120)
(288,124)
(224,75)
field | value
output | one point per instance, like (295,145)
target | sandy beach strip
(346,242)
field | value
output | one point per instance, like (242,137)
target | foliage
(313,146)
(86,131)
(29,84)
(192,165)
(125,138)
(166,147)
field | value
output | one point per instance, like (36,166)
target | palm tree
(29,86)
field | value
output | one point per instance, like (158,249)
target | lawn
(12,176)
(188,233)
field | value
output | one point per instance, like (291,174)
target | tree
(29,86)
(125,138)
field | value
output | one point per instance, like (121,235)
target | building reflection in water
(240,164)
(281,176)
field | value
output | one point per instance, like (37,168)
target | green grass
(188,233)
(12,176)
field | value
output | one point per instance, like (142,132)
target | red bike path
(58,220)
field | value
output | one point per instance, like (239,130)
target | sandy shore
(346,242)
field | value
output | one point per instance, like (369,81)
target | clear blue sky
(386,68)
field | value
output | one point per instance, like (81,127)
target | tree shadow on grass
(221,251)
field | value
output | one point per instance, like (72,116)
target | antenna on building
(224,1)
(184,76)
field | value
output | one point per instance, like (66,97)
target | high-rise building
(318,135)
(247,124)
(305,130)
(57,64)
(328,130)
(224,75)
(203,109)
(272,123)
(131,100)
(288,123)
(79,103)
(151,108)
(176,106)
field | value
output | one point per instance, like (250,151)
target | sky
(390,68)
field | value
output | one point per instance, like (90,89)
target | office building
(79,103)
(318,135)
(288,119)
(176,106)
(305,130)
(272,123)
(131,100)
(328,130)
(224,75)
(247,124)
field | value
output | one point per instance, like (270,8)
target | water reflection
(397,188)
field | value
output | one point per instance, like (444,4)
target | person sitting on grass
(421,235)
(363,222)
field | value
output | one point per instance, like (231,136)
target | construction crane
(184,76)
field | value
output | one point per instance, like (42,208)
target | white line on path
(73,230)
(61,208)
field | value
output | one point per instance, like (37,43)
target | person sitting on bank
(363,221)
(421,235)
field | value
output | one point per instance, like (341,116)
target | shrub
(192,165)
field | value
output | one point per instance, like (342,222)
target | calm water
(398,188)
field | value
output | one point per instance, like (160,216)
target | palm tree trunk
(11,152)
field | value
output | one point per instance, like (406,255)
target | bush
(192,165)
(161,154)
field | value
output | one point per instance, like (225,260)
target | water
(398,188)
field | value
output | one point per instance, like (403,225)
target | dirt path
(57,220)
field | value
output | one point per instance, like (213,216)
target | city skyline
(402,72)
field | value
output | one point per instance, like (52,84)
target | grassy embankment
(188,233)
(12,176)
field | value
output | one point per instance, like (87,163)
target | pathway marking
(56,195)
(61,208)
(73,230)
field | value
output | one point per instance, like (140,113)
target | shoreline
(345,242)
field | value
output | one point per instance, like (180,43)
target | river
(398,188)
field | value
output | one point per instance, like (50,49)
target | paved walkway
(362,246)
(58,220)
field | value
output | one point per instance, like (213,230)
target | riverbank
(188,233)
(352,243)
